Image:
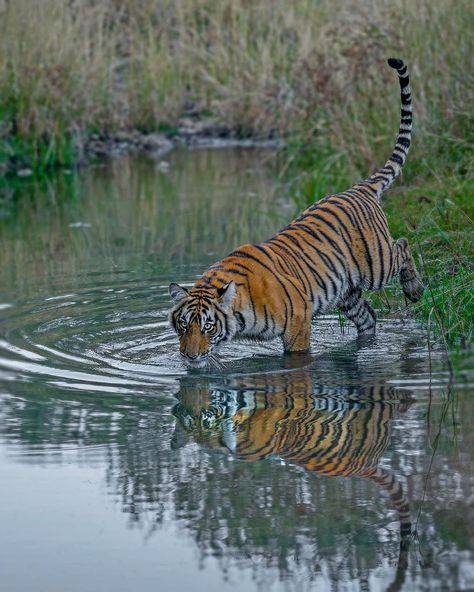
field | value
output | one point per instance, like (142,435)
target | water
(120,470)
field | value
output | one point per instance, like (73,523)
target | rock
(189,127)
(192,132)
(124,136)
(24,172)
(97,147)
(80,225)
(156,142)
(163,166)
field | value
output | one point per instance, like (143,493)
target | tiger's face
(203,320)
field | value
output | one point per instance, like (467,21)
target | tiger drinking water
(321,260)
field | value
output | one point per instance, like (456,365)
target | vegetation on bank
(311,72)
(301,69)
(438,219)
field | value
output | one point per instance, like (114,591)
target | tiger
(339,431)
(321,260)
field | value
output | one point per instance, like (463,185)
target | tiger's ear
(177,293)
(225,296)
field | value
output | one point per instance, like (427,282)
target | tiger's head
(202,317)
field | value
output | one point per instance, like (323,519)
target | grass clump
(56,64)
(438,220)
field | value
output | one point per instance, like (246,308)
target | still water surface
(119,470)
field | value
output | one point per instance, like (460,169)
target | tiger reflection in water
(329,431)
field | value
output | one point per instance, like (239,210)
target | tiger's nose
(192,356)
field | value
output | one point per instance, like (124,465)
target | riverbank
(314,72)
(188,133)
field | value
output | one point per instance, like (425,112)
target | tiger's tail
(384,177)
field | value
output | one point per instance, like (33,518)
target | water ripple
(115,338)
(111,338)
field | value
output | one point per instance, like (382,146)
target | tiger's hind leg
(356,308)
(410,280)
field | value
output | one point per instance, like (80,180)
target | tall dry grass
(57,63)
(301,68)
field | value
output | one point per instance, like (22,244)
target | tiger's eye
(208,326)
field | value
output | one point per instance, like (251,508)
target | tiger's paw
(412,285)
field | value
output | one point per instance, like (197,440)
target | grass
(302,70)
(438,220)
(56,66)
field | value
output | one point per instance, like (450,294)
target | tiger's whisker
(216,363)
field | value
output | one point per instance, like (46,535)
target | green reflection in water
(129,215)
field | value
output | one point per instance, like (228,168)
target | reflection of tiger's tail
(389,482)
(394,489)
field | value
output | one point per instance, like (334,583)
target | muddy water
(350,468)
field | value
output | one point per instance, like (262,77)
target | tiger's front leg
(297,334)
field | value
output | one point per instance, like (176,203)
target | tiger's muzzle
(194,348)
(195,360)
